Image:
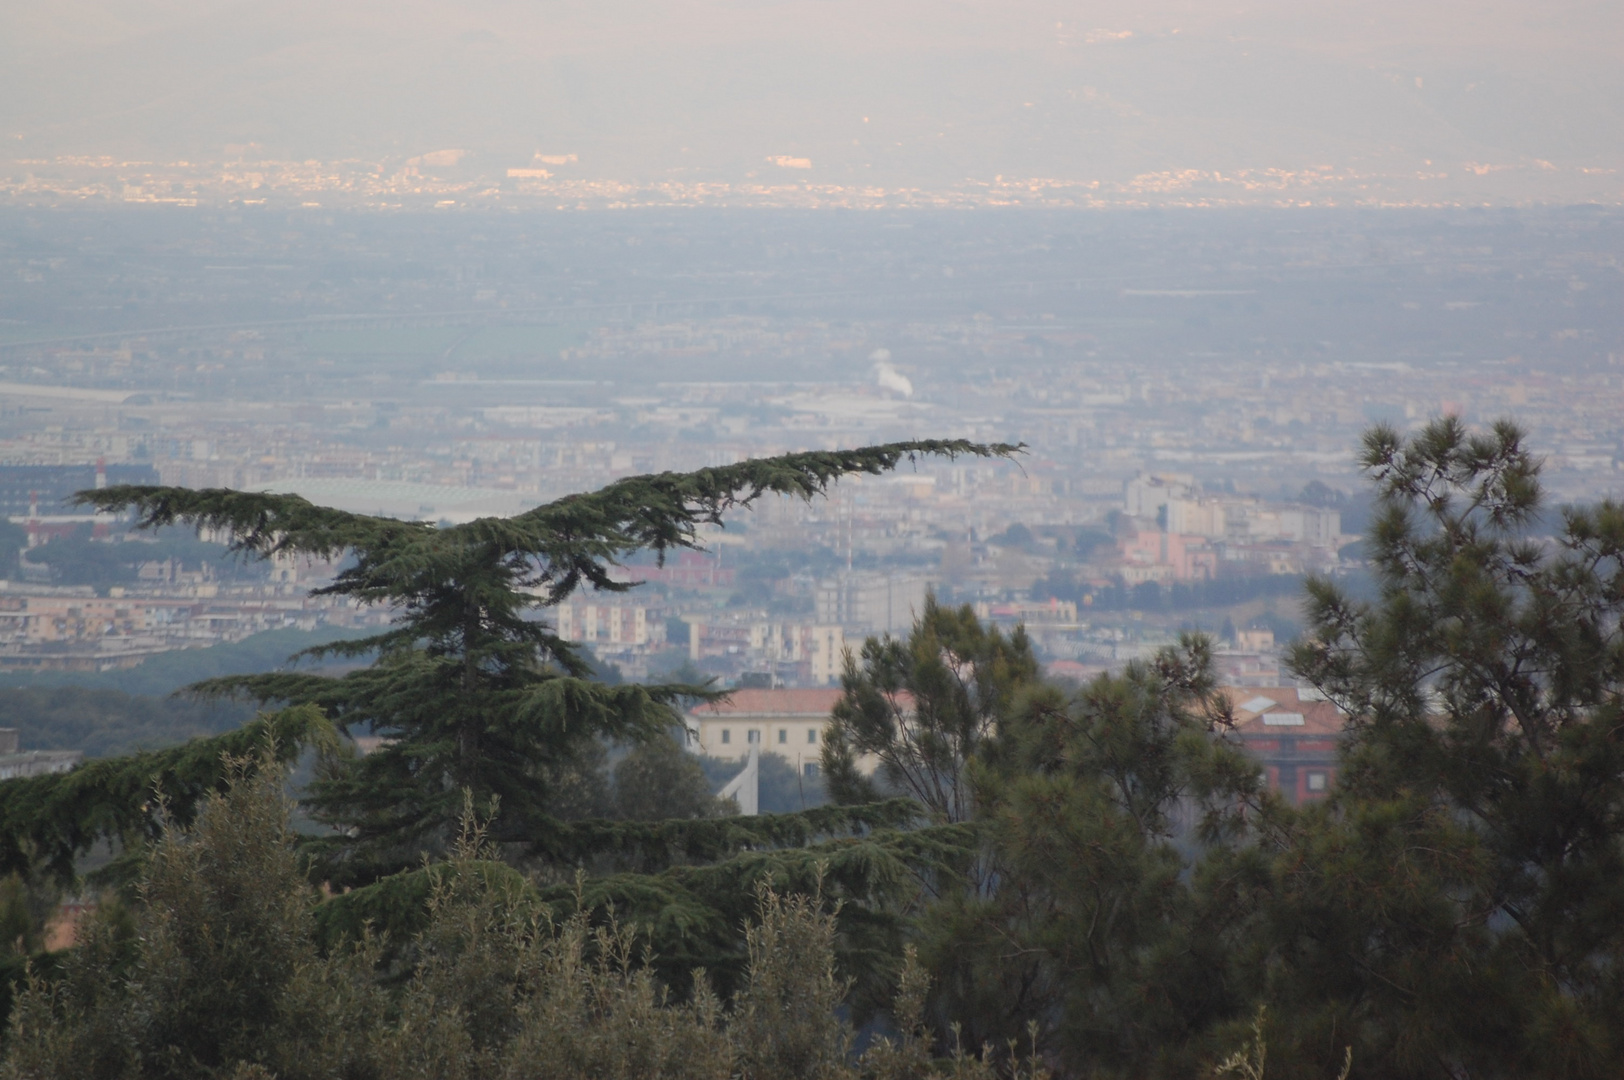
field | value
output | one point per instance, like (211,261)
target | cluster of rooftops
(1293,732)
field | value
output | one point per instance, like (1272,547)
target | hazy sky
(889,91)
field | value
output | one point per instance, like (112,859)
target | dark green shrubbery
(1092,879)
(1455,909)
(213,971)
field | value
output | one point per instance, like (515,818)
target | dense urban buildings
(1190,387)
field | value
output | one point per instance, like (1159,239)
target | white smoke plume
(888,377)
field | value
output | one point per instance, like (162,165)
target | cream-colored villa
(789,723)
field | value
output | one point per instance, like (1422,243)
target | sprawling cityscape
(1190,390)
(454,179)
(812,540)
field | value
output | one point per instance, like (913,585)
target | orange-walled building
(1176,556)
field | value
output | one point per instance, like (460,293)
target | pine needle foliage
(1102,817)
(48,822)
(218,969)
(882,883)
(690,915)
(219,976)
(1093,916)
(650,846)
(924,706)
(469,690)
(1486,680)
(1092,879)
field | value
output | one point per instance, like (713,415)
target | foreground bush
(214,972)
(1097,876)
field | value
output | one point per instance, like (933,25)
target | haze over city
(811,539)
(1432,102)
(440,261)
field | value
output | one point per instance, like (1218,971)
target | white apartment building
(789,723)
(871,603)
(601,624)
(1241,521)
(816,650)
(1146,494)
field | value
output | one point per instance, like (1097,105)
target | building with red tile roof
(1295,734)
(786,722)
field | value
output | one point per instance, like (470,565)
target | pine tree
(1089,917)
(1486,687)
(121,804)
(471,692)
(924,706)
(1102,817)
(213,971)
